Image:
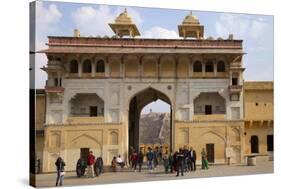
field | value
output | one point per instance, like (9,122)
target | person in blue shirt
(150,159)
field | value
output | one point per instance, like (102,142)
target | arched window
(100,66)
(87,66)
(197,66)
(209,66)
(73,66)
(235,80)
(221,66)
(113,138)
(58,59)
(254,144)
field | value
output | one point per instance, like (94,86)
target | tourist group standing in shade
(180,162)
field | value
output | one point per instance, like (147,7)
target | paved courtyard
(128,175)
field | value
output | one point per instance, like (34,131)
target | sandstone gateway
(97,87)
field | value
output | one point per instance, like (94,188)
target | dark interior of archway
(136,105)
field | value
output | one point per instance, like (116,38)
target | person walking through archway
(156,156)
(166,162)
(134,160)
(150,158)
(140,159)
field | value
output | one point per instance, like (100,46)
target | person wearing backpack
(60,171)
(150,159)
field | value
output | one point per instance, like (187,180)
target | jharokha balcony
(54,89)
(209,117)
(235,88)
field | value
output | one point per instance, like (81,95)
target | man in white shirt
(120,161)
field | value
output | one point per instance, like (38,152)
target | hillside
(155,128)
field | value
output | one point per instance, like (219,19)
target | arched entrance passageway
(254,144)
(137,103)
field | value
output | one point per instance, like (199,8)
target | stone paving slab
(128,175)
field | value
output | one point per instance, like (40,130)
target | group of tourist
(137,159)
(93,165)
(183,160)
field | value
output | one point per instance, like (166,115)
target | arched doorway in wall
(254,144)
(137,103)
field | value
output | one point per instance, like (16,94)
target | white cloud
(47,22)
(240,25)
(162,33)
(94,21)
(257,34)
(91,21)
(47,17)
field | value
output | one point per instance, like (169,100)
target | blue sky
(60,18)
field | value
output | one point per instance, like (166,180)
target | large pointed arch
(136,104)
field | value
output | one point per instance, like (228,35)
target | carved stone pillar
(190,67)
(215,67)
(158,67)
(122,67)
(176,66)
(79,69)
(107,68)
(93,71)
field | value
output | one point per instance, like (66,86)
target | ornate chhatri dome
(124,25)
(124,18)
(191,27)
(191,20)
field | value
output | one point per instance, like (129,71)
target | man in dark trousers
(156,156)
(60,171)
(140,159)
(192,155)
(150,158)
(180,162)
(98,167)
(186,158)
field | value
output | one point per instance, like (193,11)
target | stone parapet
(156,43)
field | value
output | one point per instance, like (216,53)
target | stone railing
(174,43)
(53,89)
(211,117)
(235,88)
(78,120)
